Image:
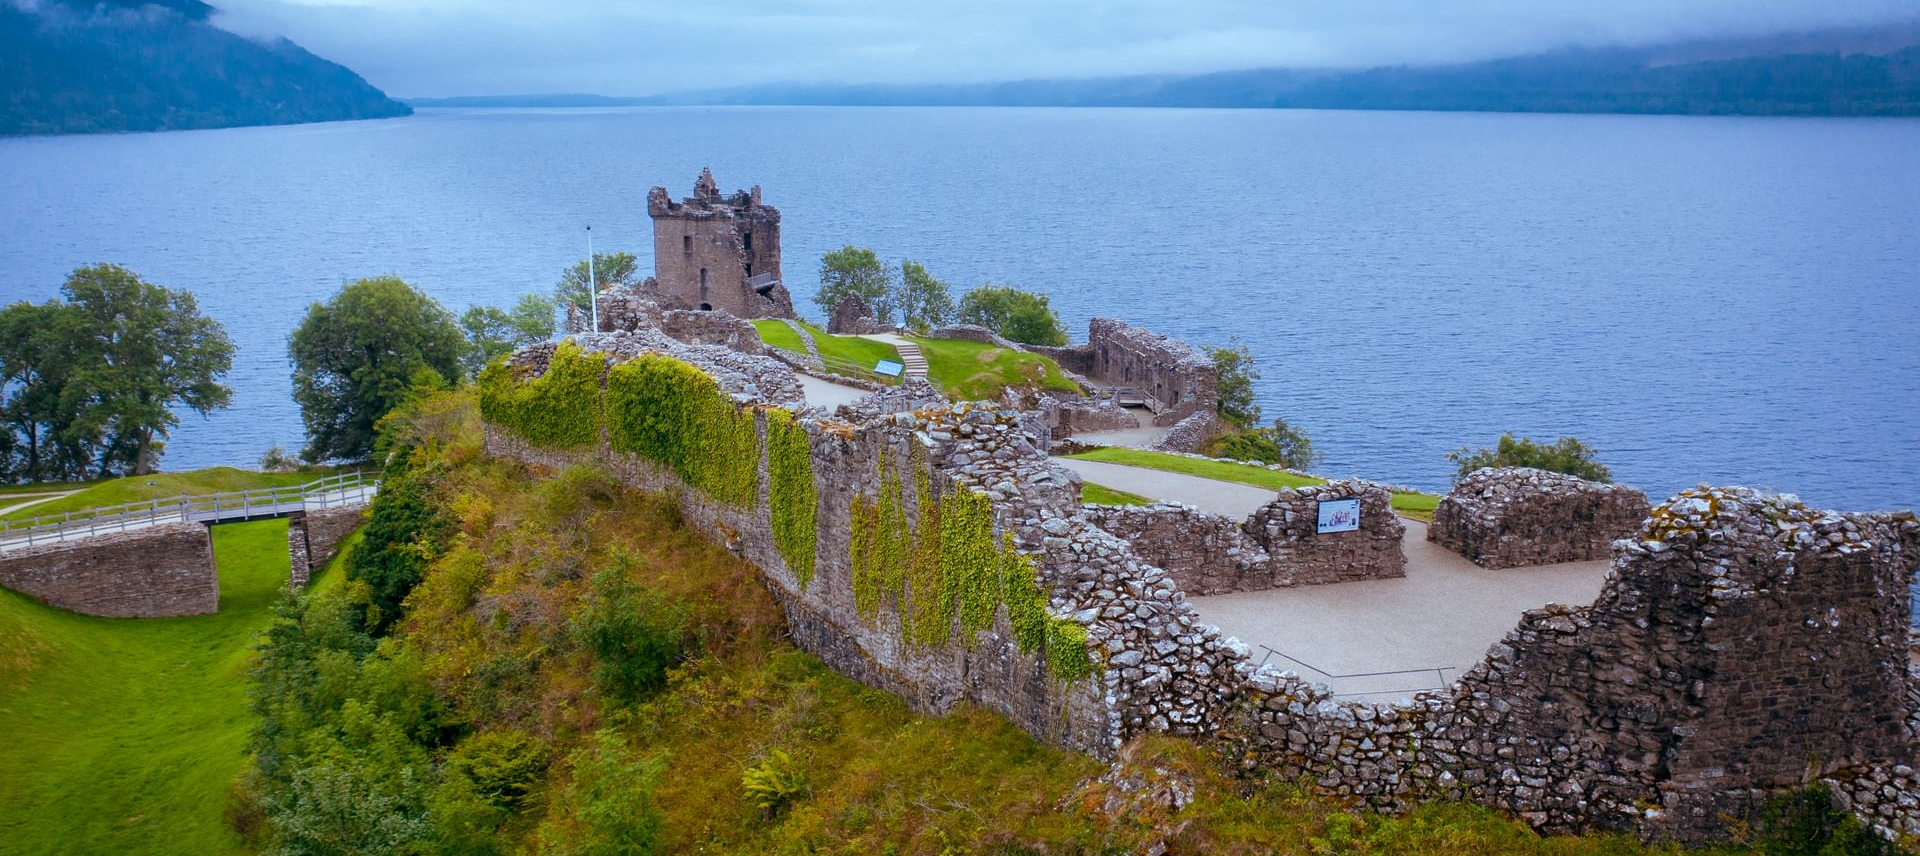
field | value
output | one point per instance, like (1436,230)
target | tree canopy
(609,270)
(93,383)
(1565,455)
(856,272)
(492,332)
(1021,316)
(1233,364)
(925,302)
(357,355)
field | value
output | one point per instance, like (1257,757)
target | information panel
(1339,515)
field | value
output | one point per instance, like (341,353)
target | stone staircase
(912,358)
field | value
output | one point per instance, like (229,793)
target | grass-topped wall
(675,415)
(949,573)
(791,491)
(558,410)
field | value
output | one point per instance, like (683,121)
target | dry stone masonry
(1742,645)
(313,537)
(1511,517)
(1278,546)
(150,572)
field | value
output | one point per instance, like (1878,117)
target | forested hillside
(69,67)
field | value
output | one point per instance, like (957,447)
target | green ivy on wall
(790,488)
(674,414)
(950,571)
(558,410)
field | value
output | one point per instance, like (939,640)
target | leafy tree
(855,272)
(1566,455)
(146,350)
(1278,443)
(492,332)
(35,358)
(1237,373)
(925,302)
(1021,316)
(93,383)
(609,270)
(355,358)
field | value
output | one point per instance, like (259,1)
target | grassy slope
(977,370)
(878,778)
(1099,494)
(164,486)
(777,334)
(1416,505)
(125,735)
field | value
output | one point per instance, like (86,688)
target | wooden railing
(345,489)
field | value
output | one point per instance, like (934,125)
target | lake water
(1702,299)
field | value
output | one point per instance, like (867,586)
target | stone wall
(1190,434)
(152,572)
(977,333)
(1276,547)
(313,537)
(1519,516)
(1742,644)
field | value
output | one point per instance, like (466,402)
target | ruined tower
(718,252)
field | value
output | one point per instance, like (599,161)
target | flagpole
(593,286)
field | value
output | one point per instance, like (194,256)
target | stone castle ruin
(1740,646)
(1519,516)
(714,252)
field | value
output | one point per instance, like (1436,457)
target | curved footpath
(1376,639)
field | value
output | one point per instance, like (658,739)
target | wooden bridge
(338,491)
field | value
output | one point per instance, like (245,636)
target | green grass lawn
(777,334)
(1416,505)
(161,486)
(1099,494)
(970,371)
(125,735)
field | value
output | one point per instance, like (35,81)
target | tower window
(747,241)
(686,244)
(703,278)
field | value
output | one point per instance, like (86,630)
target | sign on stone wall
(1339,515)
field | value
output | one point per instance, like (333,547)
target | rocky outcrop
(852,317)
(1519,516)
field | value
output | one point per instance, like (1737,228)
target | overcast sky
(640,47)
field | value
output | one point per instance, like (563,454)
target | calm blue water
(1703,299)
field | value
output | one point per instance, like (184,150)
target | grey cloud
(636,47)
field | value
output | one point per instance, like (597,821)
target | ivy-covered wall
(791,493)
(558,410)
(946,573)
(675,415)
(850,543)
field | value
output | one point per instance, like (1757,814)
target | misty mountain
(1855,72)
(69,66)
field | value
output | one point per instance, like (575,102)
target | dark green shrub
(405,530)
(1808,822)
(501,765)
(1279,443)
(634,636)
(609,801)
(1566,455)
(1234,367)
